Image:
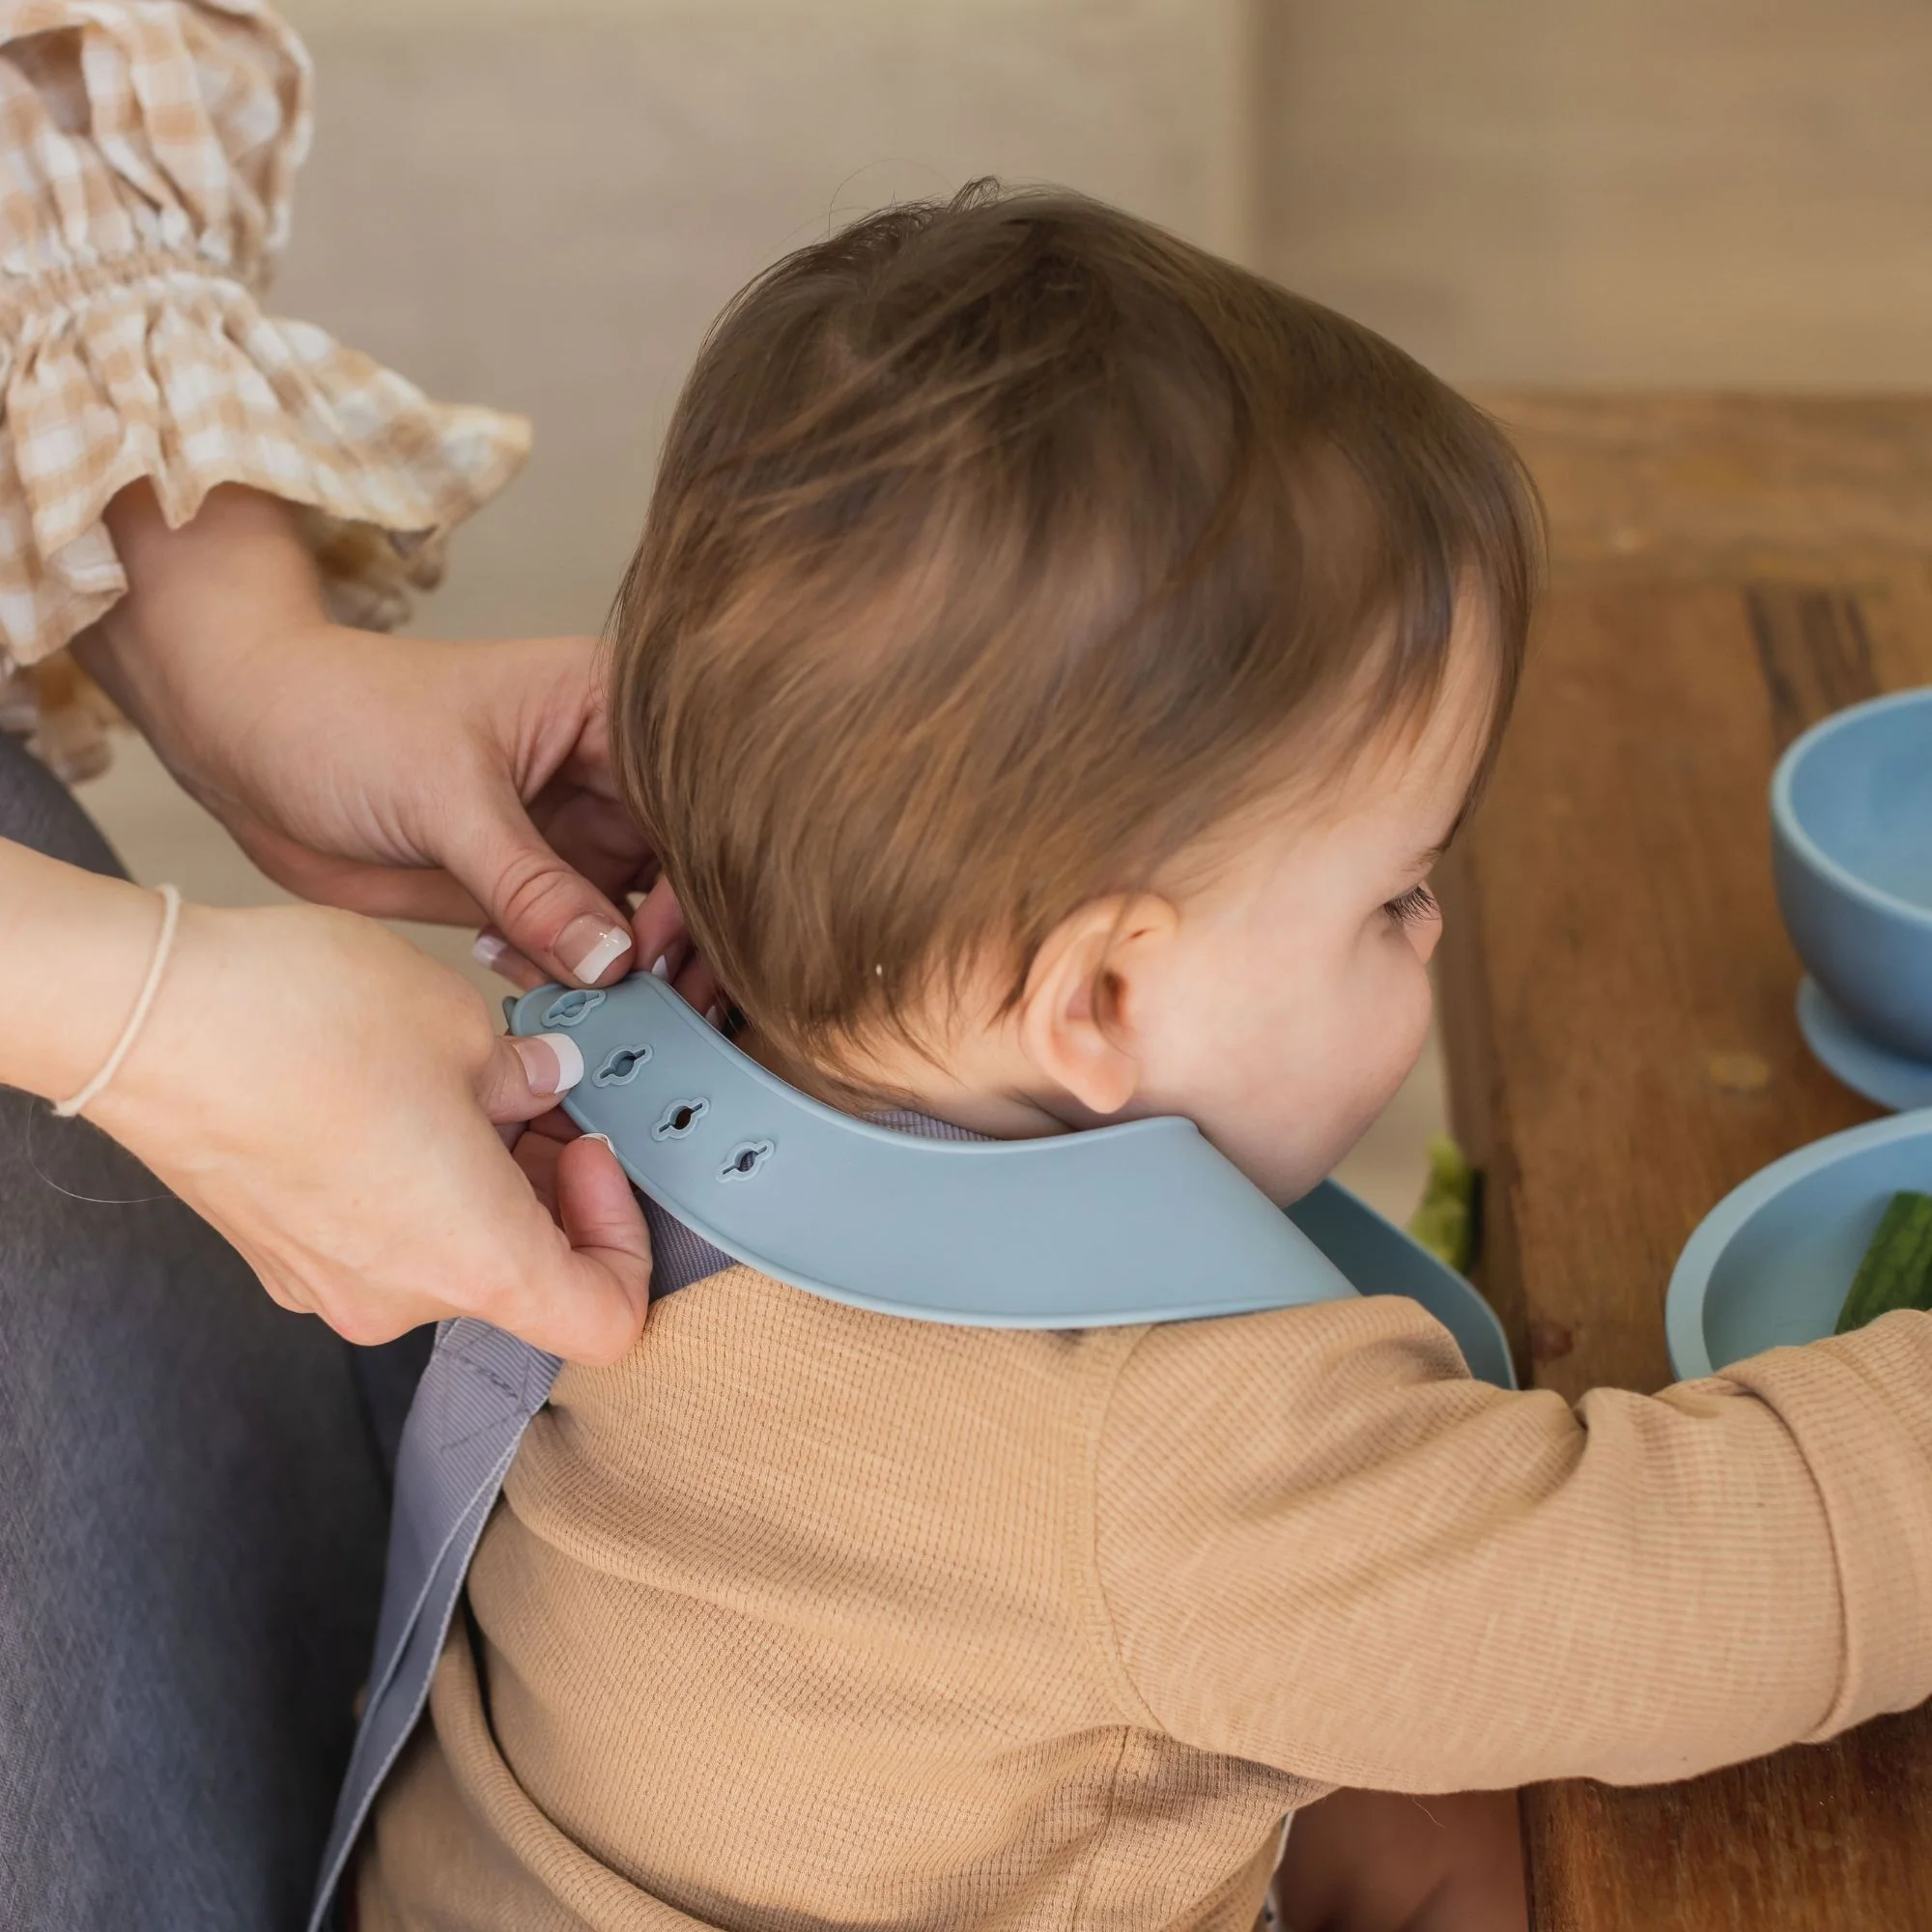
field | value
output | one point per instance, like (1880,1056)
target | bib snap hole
(745,1161)
(621,1067)
(567,1009)
(678,1120)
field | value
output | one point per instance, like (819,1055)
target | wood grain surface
(1618,1011)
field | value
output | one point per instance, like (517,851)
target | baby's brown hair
(1001,547)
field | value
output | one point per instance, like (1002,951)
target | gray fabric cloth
(474,1400)
(190,1534)
(385,1378)
(679,1255)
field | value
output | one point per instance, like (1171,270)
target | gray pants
(192,1524)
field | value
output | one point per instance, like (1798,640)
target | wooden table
(1617,1004)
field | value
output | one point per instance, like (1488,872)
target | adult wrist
(231,585)
(138,1017)
(77,949)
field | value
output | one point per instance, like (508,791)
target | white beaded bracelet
(171,902)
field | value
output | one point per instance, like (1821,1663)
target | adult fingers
(493,952)
(597,835)
(658,925)
(595,1203)
(377,891)
(591,1307)
(665,942)
(543,907)
(524,1075)
(697,985)
(537,1155)
(555,1125)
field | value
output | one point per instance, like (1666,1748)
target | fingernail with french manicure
(660,966)
(605,1138)
(591,946)
(714,1016)
(553,1062)
(486,948)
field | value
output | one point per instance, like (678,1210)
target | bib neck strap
(1141,1222)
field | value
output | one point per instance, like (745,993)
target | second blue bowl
(1771,1262)
(1851,823)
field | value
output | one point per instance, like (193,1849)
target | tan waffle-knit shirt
(802,1617)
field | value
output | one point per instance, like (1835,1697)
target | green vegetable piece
(1445,1222)
(1896,1271)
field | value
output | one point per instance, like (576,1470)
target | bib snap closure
(621,1067)
(678,1120)
(568,1009)
(745,1161)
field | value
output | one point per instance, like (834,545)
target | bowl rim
(1691,1279)
(1790,828)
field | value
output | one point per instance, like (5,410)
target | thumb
(544,909)
(598,1309)
(526,1074)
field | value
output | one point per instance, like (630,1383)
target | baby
(1054,661)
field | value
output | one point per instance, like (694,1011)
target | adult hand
(323,1093)
(397,777)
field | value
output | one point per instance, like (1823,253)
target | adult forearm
(202,601)
(393,775)
(73,950)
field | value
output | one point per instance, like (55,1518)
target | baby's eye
(1413,907)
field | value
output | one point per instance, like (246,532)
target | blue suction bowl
(1770,1263)
(1851,828)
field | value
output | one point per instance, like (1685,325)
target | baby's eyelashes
(1414,907)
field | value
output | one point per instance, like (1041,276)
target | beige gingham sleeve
(147,156)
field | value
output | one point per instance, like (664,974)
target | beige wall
(1733,192)
(542,203)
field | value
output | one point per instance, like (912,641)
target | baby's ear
(1076,1016)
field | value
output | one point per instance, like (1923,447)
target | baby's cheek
(1395,1029)
(1425,935)
(1419,994)
(1372,1039)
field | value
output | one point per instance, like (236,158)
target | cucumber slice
(1896,1271)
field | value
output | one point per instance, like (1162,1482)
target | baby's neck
(1000,1117)
(976,1092)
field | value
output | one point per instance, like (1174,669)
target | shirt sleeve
(147,156)
(1322,1546)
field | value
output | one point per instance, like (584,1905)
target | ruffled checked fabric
(147,152)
